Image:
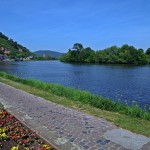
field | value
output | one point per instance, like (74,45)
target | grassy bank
(137,119)
(83,97)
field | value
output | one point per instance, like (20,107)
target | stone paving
(66,128)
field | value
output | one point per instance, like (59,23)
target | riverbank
(67,128)
(125,83)
(133,123)
(83,97)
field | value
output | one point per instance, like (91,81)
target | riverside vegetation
(84,97)
(132,118)
(112,55)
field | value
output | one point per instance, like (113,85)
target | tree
(142,58)
(3,36)
(148,51)
(84,54)
(77,47)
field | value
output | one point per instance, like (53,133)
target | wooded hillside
(12,49)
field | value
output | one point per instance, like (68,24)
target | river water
(127,83)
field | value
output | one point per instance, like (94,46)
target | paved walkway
(66,128)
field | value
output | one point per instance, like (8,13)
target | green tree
(84,54)
(142,58)
(148,51)
(77,47)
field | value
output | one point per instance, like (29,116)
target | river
(127,83)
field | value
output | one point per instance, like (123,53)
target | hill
(12,49)
(42,53)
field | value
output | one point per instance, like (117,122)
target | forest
(125,54)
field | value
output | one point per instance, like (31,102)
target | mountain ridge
(51,53)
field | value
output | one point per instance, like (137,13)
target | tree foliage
(115,55)
(78,54)
(148,51)
(3,36)
(77,47)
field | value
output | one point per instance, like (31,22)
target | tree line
(45,58)
(125,54)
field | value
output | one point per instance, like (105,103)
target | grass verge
(83,97)
(134,124)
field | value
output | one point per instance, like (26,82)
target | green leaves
(112,55)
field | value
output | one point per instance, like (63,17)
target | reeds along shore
(83,96)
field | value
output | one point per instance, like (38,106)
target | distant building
(30,57)
(2,48)
(20,50)
(5,50)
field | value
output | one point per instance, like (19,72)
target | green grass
(83,97)
(133,124)
(6,44)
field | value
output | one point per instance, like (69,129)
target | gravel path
(66,128)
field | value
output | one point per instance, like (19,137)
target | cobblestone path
(66,128)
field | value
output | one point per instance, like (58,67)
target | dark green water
(127,83)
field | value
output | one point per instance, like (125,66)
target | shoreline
(49,118)
(83,97)
(133,124)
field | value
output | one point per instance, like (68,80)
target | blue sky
(58,24)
